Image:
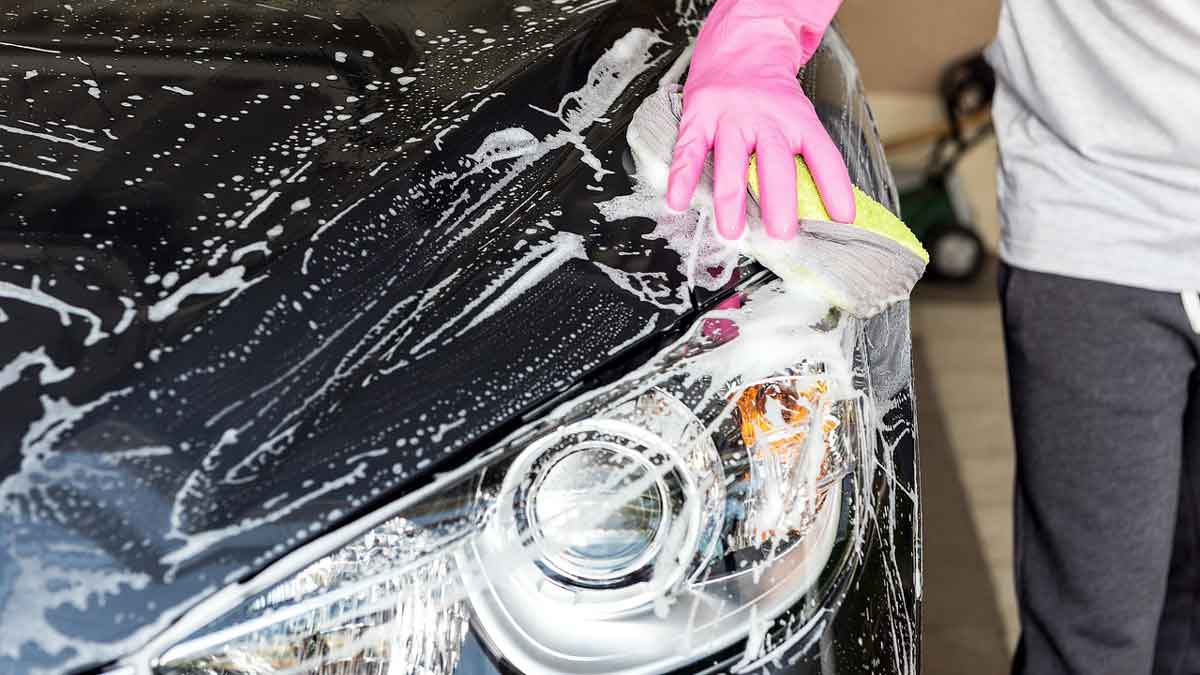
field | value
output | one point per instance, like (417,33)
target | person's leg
(1098,377)
(1178,646)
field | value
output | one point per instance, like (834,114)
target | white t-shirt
(1097,113)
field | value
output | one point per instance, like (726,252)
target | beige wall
(902,45)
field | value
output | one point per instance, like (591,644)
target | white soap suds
(50,372)
(205,284)
(34,295)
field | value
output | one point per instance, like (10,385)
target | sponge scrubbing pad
(871,215)
(861,268)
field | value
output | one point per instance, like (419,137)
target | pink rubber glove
(742,97)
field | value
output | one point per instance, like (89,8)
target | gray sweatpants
(1106,414)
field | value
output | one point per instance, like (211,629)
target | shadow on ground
(963,629)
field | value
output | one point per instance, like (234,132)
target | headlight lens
(618,542)
(706,498)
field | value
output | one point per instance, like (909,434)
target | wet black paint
(195,443)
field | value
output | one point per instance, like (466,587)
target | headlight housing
(709,497)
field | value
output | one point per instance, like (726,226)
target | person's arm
(742,97)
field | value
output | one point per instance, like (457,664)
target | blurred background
(904,50)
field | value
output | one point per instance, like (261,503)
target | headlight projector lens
(617,498)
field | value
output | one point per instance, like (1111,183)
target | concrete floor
(967,467)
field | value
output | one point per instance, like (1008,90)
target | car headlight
(707,498)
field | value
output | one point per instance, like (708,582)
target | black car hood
(266,265)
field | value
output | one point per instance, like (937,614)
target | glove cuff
(754,38)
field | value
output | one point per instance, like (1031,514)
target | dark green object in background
(933,206)
(938,215)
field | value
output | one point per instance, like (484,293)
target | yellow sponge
(870,214)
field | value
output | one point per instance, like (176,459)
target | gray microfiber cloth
(861,267)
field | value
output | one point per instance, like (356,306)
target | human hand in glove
(742,97)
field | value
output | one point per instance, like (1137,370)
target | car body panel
(267,266)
